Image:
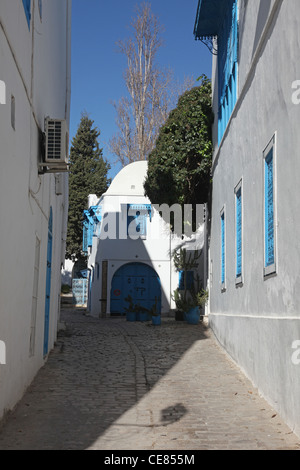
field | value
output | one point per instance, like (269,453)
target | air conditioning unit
(56,142)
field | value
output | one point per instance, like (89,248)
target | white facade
(107,255)
(35,68)
(256,315)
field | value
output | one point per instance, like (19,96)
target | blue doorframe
(48,284)
(138,280)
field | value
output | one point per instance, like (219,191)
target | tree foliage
(179,166)
(88,175)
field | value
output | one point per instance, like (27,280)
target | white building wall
(259,321)
(154,250)
(35,67)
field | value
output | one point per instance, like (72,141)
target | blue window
(223,248)
(238,202)
(41,8)
(27,8)
(137,215)
(269,209)
(227,66)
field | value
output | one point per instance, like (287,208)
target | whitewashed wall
(35,66)
(155,250)
(259,321)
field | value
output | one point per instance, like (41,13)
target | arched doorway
(138,280)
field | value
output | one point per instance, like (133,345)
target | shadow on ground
(98,370)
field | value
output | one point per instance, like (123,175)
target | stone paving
(115,385)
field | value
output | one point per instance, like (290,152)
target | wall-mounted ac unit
(56,148)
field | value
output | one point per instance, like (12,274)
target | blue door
(138,280)
(48,284)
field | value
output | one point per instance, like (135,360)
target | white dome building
(129,248)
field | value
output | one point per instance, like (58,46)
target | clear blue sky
(97,66)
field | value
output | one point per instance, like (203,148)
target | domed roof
(130,180)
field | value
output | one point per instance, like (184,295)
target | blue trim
(223,248)
(269,211)
(91,221)
(239,233)
(48,283)
(27,9)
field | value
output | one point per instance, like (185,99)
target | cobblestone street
(115,385)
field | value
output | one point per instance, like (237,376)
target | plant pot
(193,316)
(179,315)
(143,316)
(131,316)
(156,320)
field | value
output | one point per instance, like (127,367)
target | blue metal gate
(48,284)
(138,280)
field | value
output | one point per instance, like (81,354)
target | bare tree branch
(151,94)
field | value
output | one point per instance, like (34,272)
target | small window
(41,9)
(137,220)
(13,112)
(239,233)
(27,9)
(223,247)
(269,209)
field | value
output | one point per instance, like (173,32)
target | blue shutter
(223,248)
(269,211)
(84,237)
(27,8)
(227,66)
(239,232)
(142,211)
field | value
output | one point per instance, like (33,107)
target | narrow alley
(115,385)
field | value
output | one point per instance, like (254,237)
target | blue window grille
(227,66)
(188,280)
(138,213)
(27,8)
(269,210)
(239,232)
(223,248)
(91,226)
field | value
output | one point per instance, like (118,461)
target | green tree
(179,167)
(88,175)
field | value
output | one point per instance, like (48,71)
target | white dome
(130,180)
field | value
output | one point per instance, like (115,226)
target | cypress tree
(88,175)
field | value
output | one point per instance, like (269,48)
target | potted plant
(200,298)
(184,263)
(151,314)
(183,304)
(156,317)
(130,310)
